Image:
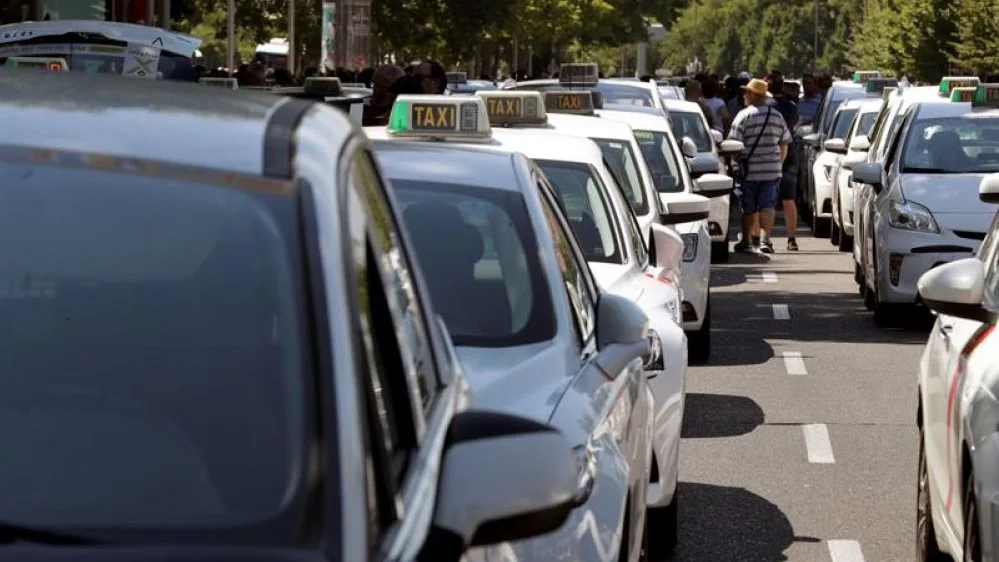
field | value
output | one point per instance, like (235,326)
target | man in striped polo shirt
(765,134)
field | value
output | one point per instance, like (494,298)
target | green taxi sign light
(948,83)
(985,95)
(439,117)
(863,76)
(578,102)
(506,108)
(579,74)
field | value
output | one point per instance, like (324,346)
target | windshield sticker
(644,136)
(141,61)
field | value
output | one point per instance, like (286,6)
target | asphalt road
(799,438)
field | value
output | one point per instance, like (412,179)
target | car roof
(448,163)
(681,106)
(641,121)
(138,118)
(943,107)
(585,126)
(865,105)
(546,144)
(628,108)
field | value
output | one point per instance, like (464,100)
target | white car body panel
(842,186)
(822,174)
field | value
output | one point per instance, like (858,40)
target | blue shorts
(758,195)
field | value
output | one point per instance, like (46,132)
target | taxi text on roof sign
(569,101)
(579,74)
(985,95)
(439,117)
(947,83)
(514,107)
(46,63)
(457,77)
(862,76)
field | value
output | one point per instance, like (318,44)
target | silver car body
(840,92)
(842,187)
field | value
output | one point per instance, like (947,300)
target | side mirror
(870,173)
(956,289)
(731,147)
(688,147)
(811,139)
(713,185)
(803,131)
(684,207)
(717,136)
(667,247)
(702,164)
(988,189)
(622,333)
(491,492)
(835,145)
(860,143)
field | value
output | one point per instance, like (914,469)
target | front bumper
(844,196)
(903,256)
(696,277)
(668,388)
(823,190)
(718,219)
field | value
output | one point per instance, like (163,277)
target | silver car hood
(946,193)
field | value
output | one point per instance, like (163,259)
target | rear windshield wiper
(13,532)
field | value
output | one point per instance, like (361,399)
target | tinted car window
(866,123)
(841,126)
(95,54)
(588,210)
(967,144)
(661,160)
(687,124)
(620,156)
(150,351)
(475,246)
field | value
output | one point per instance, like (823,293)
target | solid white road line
(793,363)
(820,451)
(845,551)
(769,276)
(781,312)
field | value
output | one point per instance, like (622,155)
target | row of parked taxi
(238,320)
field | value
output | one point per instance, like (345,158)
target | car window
(992,269)
(150,326)
(691,125)
(841,125)
(661,159)
(625,95)
(866,123)
(95,54)
(620,156)
(581,300)
(475,245)
(952,145)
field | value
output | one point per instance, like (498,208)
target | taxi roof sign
(985,95)
(229,83)
(439,117)
(876,86)
(46,63)
(863,76)
(511,107)
(948,83)
(579,102)
(578,74)
(456,77)
(323,86)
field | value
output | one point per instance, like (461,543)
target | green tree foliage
(906,38)
(976,44)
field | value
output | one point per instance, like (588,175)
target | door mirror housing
(717,136)
(870,173)
(811,139)
(703,164)
(835,145)
(622,334)
(988,189)
(684,207)
(688,147)
(491,492)
(956,289)
(667,250)
(860,143)
(713,185)
(731,147)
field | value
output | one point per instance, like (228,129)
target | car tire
(719,252)
(845,242)
(927,549)
(885,313)
(699,342)
(858,277)
(834,233)
(664,523)
(820,226)
(972,545)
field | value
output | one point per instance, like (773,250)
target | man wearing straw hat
(761,128)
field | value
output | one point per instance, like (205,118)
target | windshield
(866,122)
(479,256)
(841,125)
(151,352)
(661,160)
(621,158)
(952,145)
(691,125)
(98,54)
(587,208)
(836,99)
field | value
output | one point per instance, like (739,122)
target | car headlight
(586,471)
(911,216)
(689,246)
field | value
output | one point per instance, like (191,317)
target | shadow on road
(719,415)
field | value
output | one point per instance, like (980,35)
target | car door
(878,201)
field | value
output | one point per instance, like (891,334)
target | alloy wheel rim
(922,508)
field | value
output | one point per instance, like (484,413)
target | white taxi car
(528,319)
(586,75)
(925,210)
(852,150)
(958,416)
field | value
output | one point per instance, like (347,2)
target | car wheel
(884,313)
(972,546)
(858,277)
(699,342)
(834,233)
(820,226)
(664,523)
(719,252)
(845,242)
(926,540)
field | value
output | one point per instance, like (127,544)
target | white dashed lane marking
(781,312)
(845,551)
(769,277)
(818,446)
(793,363)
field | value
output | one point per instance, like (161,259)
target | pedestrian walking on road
(787,199)
(761,128)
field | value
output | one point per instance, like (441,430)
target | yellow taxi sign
(45,63)
(512,107)
(948,83)
(439,117)
(579,74)
(456,77)
(229,83)
(579,102)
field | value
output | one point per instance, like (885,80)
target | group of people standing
(763,114)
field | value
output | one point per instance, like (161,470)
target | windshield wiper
(921,170)
(12,533)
